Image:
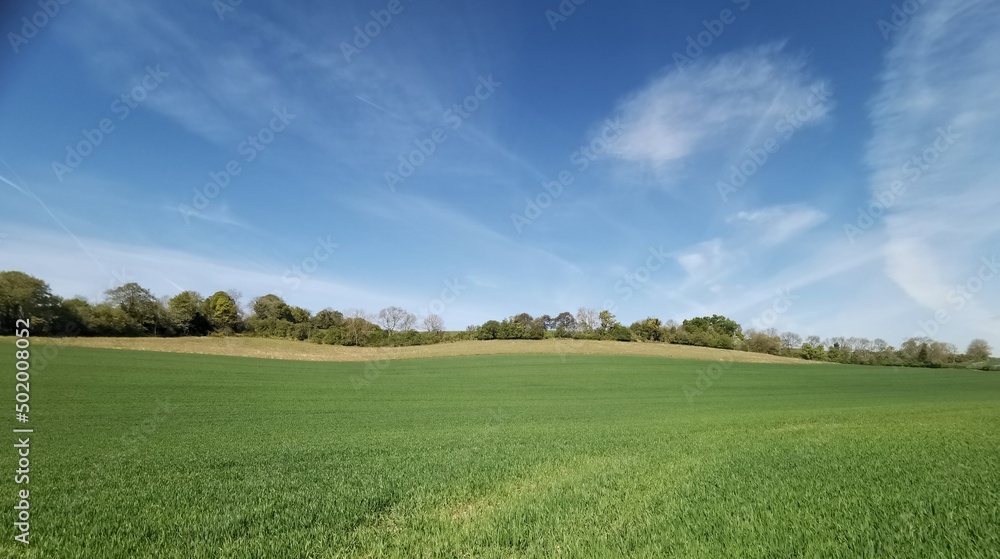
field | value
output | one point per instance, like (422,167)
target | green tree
(24,296)
(619,333)
(524,319)
(335,335)
(328,318)
(223,312)
(565,321)
(714,324)
(274,318)
(299,315)
(548,322)
(909,352)
(535,329)
(186,312)
(108,320)
(607,321)
(511,329)
(271,307)
(647,330)
(490,330)
(139,304)
(812,353)
(77,312)
(923,355)
(709,331)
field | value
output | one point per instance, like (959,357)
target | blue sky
(736,157)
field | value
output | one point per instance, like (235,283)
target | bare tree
(433,323)
(979,350)
(395,319)
(791,340)
(941,352)
(237,296)
(763,341)
(911,347)
(357,327)
(586,319)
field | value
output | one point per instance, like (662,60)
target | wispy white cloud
(222,90)
(941,74)
(778,224)
(715,104)
(167,271)
(709,262)
(419,210)
(217,213)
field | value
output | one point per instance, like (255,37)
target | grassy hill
(151,454)
(304,351)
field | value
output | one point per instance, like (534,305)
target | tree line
(132,310)
(718,331)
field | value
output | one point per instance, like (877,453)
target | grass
(145,454)
(305,351)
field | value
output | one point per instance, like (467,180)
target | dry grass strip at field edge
(305,351)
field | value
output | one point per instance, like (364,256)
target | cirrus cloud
(730,101)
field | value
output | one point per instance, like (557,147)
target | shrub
(490,330)
(620,333)
(649,330)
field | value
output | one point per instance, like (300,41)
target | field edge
(239,346)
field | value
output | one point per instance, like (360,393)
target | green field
(141,454)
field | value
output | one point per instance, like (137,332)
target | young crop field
(148,454)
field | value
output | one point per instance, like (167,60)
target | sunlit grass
(142,454)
